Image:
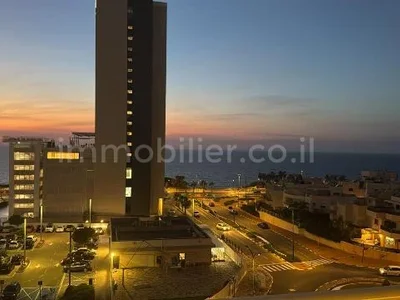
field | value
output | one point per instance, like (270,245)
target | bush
(250,209)
(82,291)
(16,220)
(83,236)
(229,202)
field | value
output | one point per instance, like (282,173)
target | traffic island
(24,266)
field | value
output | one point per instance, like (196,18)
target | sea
(225,172)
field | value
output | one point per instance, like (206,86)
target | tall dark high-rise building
(130,106)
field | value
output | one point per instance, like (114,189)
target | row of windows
(24,156)
(23,196)
(24,177)
(62,155)
(24,187)
(24,167)
(23,205)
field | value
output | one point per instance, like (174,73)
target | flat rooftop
(154,228)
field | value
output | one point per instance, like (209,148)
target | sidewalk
(334,254)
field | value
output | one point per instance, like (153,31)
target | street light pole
(70,251)
(90,213)
(253,256)
(293,234)
(24,240)
(41,222)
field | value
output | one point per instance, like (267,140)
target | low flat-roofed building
(158,242)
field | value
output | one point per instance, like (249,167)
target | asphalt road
(239,239)
(310,280)
(279,242)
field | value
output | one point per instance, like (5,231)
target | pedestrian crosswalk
(316,262)
(296,266)
(279,267)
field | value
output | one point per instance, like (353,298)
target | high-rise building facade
(130,106)
(26,174)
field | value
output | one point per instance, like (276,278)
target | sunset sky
(245,71)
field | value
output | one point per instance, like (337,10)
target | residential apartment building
(130,106)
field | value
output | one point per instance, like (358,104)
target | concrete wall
(67,185)
(343,246)
(278,222)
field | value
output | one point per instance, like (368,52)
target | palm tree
(185,202)
(193,184)
(211,184)
(203,185)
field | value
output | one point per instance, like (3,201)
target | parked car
(69,260)
(31,238)
(29,244)
(11,237)
(78,266)
(38,228)
(80,226)
(60,229)
(263,225)
(99,230)
(17,259)
(390,271)
(196,214)
(49,228)
(86,250)
(223,227)
(13,245)
(69,228)
(12,290)
(8,229)
(212,204)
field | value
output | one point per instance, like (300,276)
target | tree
(82,291)
(185,202)
(16,220)
(203,185)
(83,236)
(193,185)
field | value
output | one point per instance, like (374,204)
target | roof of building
(140,229)
(12,139)
(84,134)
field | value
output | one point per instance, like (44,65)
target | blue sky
(242,70)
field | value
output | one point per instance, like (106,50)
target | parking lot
(45,266)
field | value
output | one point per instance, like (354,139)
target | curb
(332,284)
